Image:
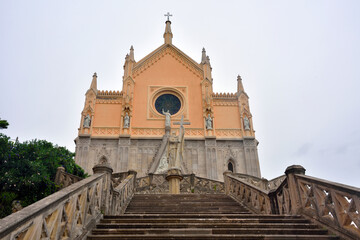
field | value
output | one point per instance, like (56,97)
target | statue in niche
(126,121)
(209,122)
(87,121)
(167,117)
(246,123)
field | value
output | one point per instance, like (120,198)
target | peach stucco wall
(107,115)
(227,117)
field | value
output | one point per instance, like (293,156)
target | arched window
(230,167)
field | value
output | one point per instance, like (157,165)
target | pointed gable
(161,52)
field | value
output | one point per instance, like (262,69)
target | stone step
(192,211)
(215,221)
(182,209)
(204,224)
(188,203)
(203,215)
(195,216)
(182,195)
(214,231)
(210,236)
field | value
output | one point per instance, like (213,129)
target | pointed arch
(230,165)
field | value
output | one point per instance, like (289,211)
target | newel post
(134,173)
(59,174)
(293,186)
(227,182)
(105,201)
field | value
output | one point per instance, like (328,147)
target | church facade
(131,129)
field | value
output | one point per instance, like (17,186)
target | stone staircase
(200,216)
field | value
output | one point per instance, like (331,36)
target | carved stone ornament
(163,165)
(103,154)
(230,154)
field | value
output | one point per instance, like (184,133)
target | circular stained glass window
(168,102)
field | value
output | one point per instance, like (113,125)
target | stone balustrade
(64,179)
(262,183)
(333,205)
(64,214)
(71,212)
(123,193)
(157,184)
(253,197)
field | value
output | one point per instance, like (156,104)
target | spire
(168,34)
(132,54)
(129,63)
(205,62)
(208,60)
(93,85)
(240,87)
(203,56)
(205,59)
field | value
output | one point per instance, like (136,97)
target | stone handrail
(332,204)
(71,212)
(253,197)
(64,179)
(123,193)
(117,178)
(64,214)
(157,184)
(262,183)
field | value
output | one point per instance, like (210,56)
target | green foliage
(28,170)
(3,124)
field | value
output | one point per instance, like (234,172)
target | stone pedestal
(174,177)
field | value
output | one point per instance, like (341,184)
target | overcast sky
(299,60)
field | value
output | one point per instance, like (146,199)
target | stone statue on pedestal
(167,117)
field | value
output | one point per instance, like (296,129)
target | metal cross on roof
(168,15)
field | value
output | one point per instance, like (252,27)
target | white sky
(299,60)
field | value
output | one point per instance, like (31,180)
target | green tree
(28,170)
(3,124)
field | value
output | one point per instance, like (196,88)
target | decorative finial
(239,77)
(168,15)
(95,75)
